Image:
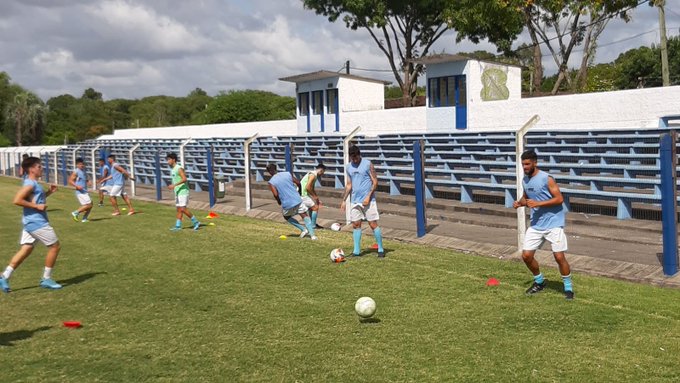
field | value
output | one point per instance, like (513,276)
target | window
(317,102)
(442,91)
(303,103)
(332,101)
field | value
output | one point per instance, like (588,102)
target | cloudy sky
(133,49)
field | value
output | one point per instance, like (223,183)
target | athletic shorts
(534,239)
(360,212)
(84,198)
(106,188)
(297,209)
(182,200)
(45,234)
(307,201)
(117,191)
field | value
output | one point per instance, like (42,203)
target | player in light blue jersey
(118,176)
(79,181)
(106,185)
(543,196)
(361,181)
(284,187)
(32,197)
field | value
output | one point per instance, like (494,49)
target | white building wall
(244,129)
(626,109)
(400,120)
(358,95)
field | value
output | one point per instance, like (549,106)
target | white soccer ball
(365,307)
(336,227)
(337,256)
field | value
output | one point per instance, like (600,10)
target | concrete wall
(401,120)
(245,129)
(356,95)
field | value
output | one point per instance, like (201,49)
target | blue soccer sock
(315,214)
(310,227)
(194,220)
(539,278)
(377,233)
(567,282)
(295,223)
(357,241)
(178,223)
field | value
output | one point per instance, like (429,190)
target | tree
(27,113)
(562,25)
(405,30)
(248,105)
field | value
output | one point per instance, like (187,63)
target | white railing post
(246,158)
(56,166)
(181,151)
(133,183)
(94,167)
(520,142)
(345,156)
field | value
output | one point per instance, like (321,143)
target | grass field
(235,303)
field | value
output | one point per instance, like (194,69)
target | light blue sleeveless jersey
(360,175)
(117,176)
(81,180)
(103,173)
(288,193)
(34,219)
(543,218)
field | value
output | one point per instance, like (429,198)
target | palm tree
(27,113)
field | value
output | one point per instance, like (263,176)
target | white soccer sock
(8,272)
(47,274)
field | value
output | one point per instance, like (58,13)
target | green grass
(235,303)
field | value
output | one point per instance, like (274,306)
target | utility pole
(665,74)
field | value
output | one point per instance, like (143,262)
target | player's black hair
(171,156)
(529,155)
(102,159)
(79,161)
(321,166)
(24,156)
(271,168)
(354,151)
(29,162)
(112,156)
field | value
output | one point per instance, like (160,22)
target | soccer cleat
(100,204)
(569,295)
(304,233)
(197,225)
(536,288)
(74,215)
(314,238)
(176,228)
(131,212)
(356,255)
(318,227)
(85,220)
(4,285)
(49,283)
(116,213)
(381,254)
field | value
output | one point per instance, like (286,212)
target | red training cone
(212,215)
(374,246)
(493,282)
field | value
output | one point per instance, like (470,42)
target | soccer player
(118,176)
(179,185)
(361,182)
(308,192)
(543,196)
(106,186)
(22,173)
(32,197)
(79,180)
(284,188)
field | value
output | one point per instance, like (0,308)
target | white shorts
(117,191)
(297,209)
(45,234)
(84,198)
(106,188)
(182,200)
(308,201)
(361,213)
(534,239)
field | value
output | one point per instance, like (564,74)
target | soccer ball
(336,227)
(337,256)
(365,307)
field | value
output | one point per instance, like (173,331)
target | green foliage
(233,303)
(248,105)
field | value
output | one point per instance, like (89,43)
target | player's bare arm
(22,198)
(348,189)
(275,193)
(522,202)
(72,181)
(374,181)
(556,199)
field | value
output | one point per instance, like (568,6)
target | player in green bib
(179,185)
(308,192)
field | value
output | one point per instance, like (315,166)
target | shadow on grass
(369,320)
(372,251)
(99,219)
(68,282)
(7,338)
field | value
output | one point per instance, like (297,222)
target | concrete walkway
(598,245)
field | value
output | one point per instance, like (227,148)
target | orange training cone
(493,282)
(212,215)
